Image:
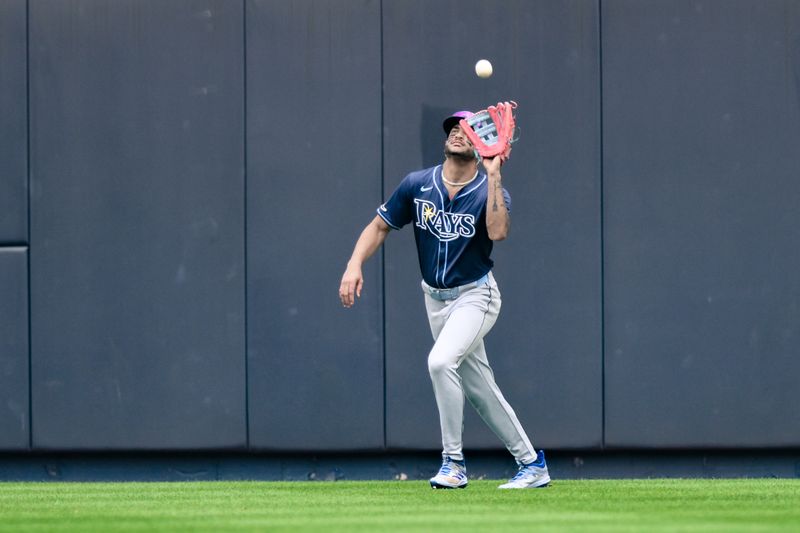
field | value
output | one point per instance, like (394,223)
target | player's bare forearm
(497,220)
(370,240)
(368,243)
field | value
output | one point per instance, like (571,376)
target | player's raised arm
(368,243)
(497,219)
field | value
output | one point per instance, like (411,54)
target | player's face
(458,145)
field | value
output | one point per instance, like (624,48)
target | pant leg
(458,327)
(483,393)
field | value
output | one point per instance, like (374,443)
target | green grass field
(607,505)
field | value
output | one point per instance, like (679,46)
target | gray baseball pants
(459,319)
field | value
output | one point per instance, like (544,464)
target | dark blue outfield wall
(181,184)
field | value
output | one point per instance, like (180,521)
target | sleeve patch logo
(443,225)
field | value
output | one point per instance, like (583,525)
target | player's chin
(461,153)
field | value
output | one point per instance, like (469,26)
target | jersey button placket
(442,261)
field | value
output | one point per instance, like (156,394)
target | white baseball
(483,68)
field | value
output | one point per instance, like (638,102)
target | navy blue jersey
(452,241)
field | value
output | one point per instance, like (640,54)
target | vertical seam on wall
(602,227)
(28,177)
(244,227)
(383,248)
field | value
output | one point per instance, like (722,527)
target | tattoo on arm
(494,196)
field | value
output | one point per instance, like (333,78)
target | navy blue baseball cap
(454,119)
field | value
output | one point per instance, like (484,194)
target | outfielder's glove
(491,131)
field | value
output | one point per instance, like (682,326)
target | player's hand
(492,164)
(350,288)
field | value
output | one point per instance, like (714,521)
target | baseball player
(458,211)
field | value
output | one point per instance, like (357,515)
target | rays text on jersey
(444,225)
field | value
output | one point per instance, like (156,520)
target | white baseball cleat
(452,475)
(530,476)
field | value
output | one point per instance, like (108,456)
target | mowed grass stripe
(600,505)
